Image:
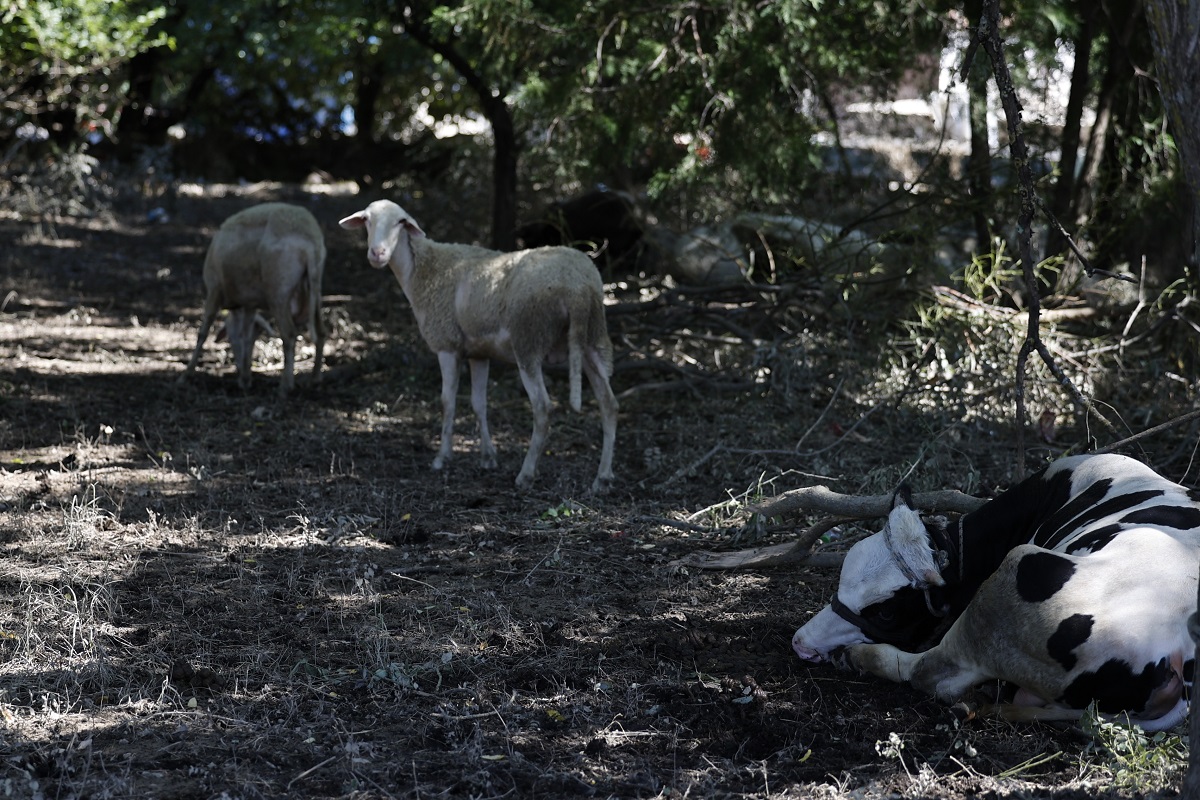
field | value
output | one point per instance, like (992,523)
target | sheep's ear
(358,220)
(410,225)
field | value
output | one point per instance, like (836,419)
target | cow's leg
(935,671)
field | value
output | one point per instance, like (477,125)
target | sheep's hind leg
(598,378)
(317,332)
(479,387)
(449,364)
(539,399)
(287,334)
(240,327)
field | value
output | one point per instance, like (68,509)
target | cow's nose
(806,653)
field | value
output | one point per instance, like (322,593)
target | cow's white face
(881,591)
(869,577)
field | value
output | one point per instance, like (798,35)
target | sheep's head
(385,222)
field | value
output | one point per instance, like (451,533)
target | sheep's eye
(885,616)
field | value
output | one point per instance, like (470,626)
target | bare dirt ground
(205,593)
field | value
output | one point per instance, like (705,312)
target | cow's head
(891,590)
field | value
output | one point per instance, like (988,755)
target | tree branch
(825,500)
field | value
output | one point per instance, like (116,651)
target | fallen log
(821,498)
(845,508)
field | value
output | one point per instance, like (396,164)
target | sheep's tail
(577,336)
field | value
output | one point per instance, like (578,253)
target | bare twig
(1087,266)
(1188,417)
(310,771)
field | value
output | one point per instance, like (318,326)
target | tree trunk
(504,174)
(504,155)
(979,162)
(134,123)
(366,98)
(1063,203)
(1175,32)
(1118,73)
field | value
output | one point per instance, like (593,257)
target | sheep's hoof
(488,461)
(524,482)
(439,463)
(602,485)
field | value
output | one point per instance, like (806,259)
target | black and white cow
(1075,586)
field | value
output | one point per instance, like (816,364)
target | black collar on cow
(875,632)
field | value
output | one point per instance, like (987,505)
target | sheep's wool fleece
(535,279)
(281,218)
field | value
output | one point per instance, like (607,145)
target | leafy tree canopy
(64,60)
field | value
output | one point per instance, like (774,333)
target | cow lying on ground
(1075,586)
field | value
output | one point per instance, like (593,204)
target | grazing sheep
(525,308)
(269,256)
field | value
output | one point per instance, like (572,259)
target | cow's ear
(909,542)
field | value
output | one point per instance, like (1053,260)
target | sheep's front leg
(211,303)
(479,387)
(449,363)
(539,399)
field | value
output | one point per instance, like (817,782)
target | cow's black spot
(992,530)
(1095,540)
(1041,575)
(1181,517)
(1116,687)
(1063,521)
(1072,632)
(1051,538)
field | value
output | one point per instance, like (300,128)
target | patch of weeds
(561,512)
(1137,760)
(406,676)
(727,513)
(82,519)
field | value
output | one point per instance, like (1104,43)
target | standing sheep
(526,308)
(268,256)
